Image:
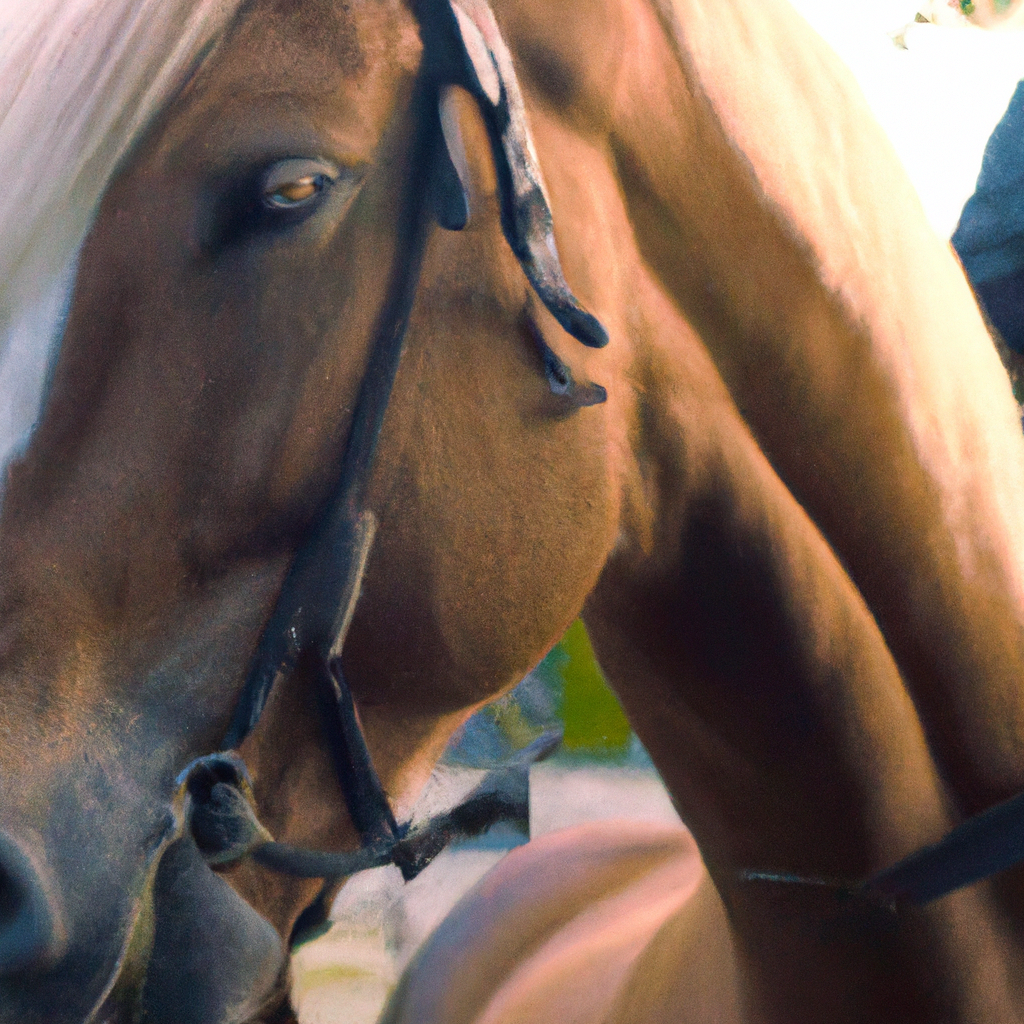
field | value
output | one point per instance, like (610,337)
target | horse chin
(214,959)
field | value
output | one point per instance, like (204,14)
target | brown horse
(793,527)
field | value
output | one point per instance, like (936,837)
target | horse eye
(290,184)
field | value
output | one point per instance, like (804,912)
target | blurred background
(939,77)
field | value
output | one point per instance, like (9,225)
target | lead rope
(978,848)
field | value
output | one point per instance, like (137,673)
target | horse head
(224,315)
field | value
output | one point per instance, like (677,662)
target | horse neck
(755,675)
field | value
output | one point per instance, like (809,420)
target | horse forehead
(328,74)
(316,48)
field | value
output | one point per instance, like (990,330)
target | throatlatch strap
(463,47)
(526,218)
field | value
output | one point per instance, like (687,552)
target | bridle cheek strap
(307,629)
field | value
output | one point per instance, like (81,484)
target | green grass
(591,714)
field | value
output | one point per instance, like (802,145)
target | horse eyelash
(279,175)
(240,211)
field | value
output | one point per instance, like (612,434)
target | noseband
(307,628)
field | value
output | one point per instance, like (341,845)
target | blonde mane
(79,80)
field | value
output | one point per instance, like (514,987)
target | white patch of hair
(79,80)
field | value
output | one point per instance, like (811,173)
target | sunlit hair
(79,80)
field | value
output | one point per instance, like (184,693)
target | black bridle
(307,628)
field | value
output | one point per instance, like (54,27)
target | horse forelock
(79,81)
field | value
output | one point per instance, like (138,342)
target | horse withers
(784,494)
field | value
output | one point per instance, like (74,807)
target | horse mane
(79,81)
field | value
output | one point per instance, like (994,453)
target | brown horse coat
(794,528)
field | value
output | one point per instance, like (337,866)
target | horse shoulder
(557,930)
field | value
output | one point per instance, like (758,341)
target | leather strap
(977,849)
(219,811)
(309,623)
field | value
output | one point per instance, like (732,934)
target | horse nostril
(8,898)
(29,932)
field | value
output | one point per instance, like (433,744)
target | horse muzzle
(213,957)
(195,951)
(96,931)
